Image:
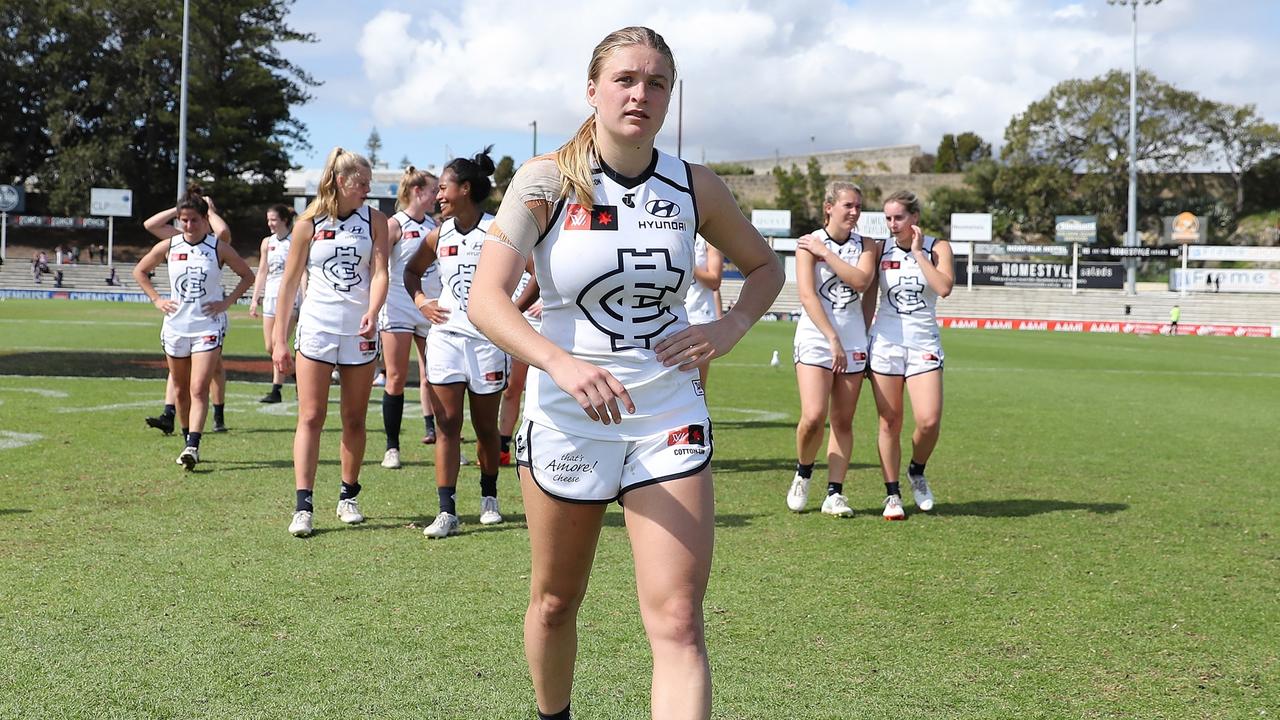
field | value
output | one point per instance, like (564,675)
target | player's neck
(466,220)
(626,160)
(838,234)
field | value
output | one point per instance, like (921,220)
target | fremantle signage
(1043,274)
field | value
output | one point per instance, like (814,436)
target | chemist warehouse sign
(1043,274)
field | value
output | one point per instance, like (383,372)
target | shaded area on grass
(86,363)
(1023,507)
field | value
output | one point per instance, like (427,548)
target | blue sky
(440,79)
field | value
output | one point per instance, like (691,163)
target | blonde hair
(576,158)
(412,179)
(907,200)
(340,164)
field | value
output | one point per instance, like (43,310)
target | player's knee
(928,425)
(553,610)
(811,424)
(891,422)
(678,621)
(353,422)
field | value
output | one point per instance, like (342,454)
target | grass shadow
(1024,507)
(79,363)
(13,511)
(782,466)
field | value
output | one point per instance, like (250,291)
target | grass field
(1104,545)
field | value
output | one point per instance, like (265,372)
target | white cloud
(762,75)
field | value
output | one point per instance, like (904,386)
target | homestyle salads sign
(1092,276)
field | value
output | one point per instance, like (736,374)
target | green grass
(1104,546)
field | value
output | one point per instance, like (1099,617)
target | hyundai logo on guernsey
(662,208)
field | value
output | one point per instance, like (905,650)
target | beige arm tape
(536,182)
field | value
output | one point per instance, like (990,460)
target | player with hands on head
(834,267)
(906,347)
(340,244)
(195,322)
(614,408)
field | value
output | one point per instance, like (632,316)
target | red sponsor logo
(179,256)
(494,376)
(412,234)
(210,338)
(890,264)
(448,251)
(930,357)
(859,356)
(577,217)
(326,234)
(597,217)
(368,346)
(691,435)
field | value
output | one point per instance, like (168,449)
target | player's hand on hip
(166,305)
(596,389)
(432,311)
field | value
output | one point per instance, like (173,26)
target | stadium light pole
(182,102)
(534,125)
(1131,237)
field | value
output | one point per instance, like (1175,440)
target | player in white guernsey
(195,321)
(614,401)
(266,287)
(402,325)
(702,301)
(525,295)
(906,351)
(834,267)
(462,364)
(341,245)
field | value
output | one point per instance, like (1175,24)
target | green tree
(1238,139)
(957,152)
(791,191)
(373,145)
(503,172)
(817,191)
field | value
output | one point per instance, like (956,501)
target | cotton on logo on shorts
(931,357)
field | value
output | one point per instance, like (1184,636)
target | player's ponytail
(412,179)
(340,164)
(577,158)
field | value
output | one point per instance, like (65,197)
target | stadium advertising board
(772,223)
(1081,229)
(962,248)
(1140,251)
(1093,276)
(113,202)
(1233,253)
(13,198)
(1185,228)
(46,221)
(872,225)
(1107,327)
(971,227)
(1238,281)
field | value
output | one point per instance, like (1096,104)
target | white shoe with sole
(391,460)
(893,508)
(489,514)
(301,525)
(837,505)
(443,526)
(349,511)
(798,495)
(189,457)
(920,490)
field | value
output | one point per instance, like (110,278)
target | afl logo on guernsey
(599,217)
(662,208)
(906,295)
(190,284)
(631,304)
(342,268)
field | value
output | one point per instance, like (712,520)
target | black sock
(193,439)
(276,387)
(185,433)
(804,471)
(506,443)
(349,491)
(447,503)
(169,411)
(304,501)
(217,414)
(892,489)
(429,421)
(392,413)
(835,488)
(489,485)
(562,715)
(915,469)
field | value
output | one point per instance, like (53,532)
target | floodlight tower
(1131,237)
(182,101)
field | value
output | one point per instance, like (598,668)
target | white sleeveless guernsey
(412,233)
(613,279)
(338,274)
(458,254)
(195,278)
(840,302)
(277,255)
(700,302)
(907,312)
